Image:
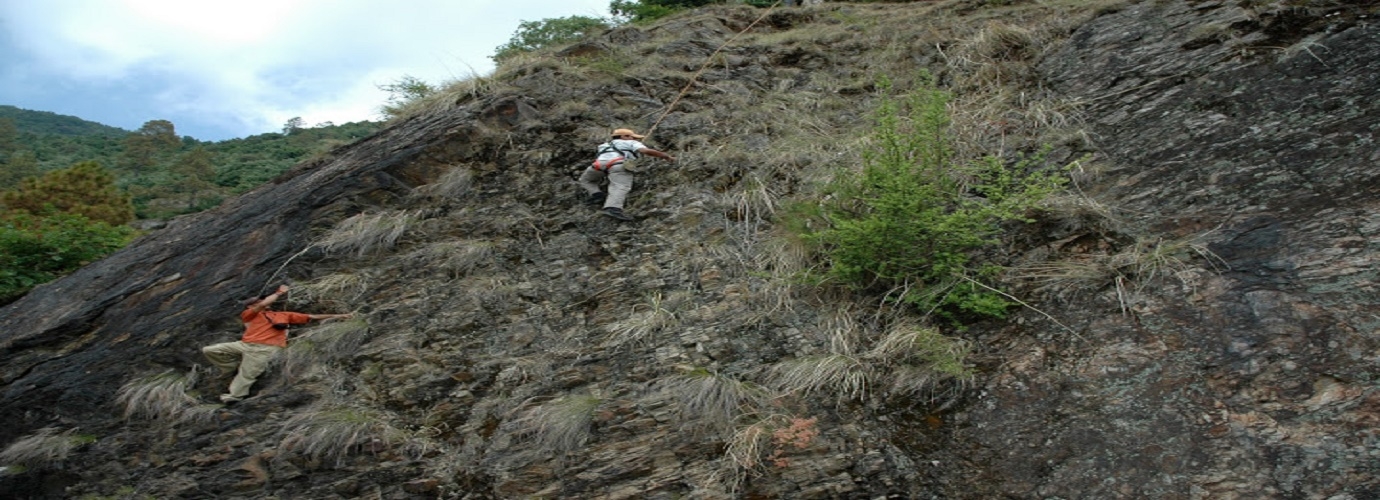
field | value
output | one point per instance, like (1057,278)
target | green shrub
(35,250)
(637,11)
(402,92)
(913,221)
(533,35)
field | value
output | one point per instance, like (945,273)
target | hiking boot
(229,400)
(596,198)
(617,213)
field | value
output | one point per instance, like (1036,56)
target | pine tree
(84,189)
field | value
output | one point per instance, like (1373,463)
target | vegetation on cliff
(748,335)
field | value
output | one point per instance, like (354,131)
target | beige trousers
(620,184)
(251,360)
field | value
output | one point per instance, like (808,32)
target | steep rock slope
(516,344)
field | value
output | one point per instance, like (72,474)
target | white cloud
(245,67)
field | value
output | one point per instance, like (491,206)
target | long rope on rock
(280,270)
(707,61)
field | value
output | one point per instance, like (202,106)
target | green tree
(647,10)
(533,35)
(145,146)
(193,174)
(84,189)
(160,132)
(9,138)
(912,223)
(293,125)
(19,165)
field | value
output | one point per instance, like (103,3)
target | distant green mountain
(158,174)
(49,123)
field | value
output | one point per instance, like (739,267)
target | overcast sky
(221,69)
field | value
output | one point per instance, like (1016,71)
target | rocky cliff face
(1201,321)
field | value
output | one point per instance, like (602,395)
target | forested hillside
(166,174)
(70,187)
(48,123)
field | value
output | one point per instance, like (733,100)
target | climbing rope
(707,61)
(275,274)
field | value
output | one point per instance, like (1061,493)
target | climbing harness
(604,166)
(608,147)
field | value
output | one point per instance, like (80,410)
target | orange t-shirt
(258,326)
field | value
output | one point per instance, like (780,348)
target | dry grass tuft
(1000,41)
(842,330)
(560,425)
(906,360)
(456,258)
(334,339)
(754,201)
(784,255)
(750,442)
(200,413)
(640,327)
(334,433)
(844,372)
(846,376)
(1078,271)
(712,399)
(455,183)
(323,344)
(44,449)
(920,357)
(1130,269)
(347,287)
(161,396)
(365,233)
(1078,213)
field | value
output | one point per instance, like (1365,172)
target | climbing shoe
(617,213)
(595,199)
(229,400)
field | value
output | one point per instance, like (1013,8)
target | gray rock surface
(1245,369)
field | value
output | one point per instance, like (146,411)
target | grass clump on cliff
(328,343)
(332,433)
(713,400)
(161,396)
(906,360)
(644,323)
(365,234)
(911,223)
(560,425)
(44,449)
(410,96)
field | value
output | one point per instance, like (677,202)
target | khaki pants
(620,183)
(251,360)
